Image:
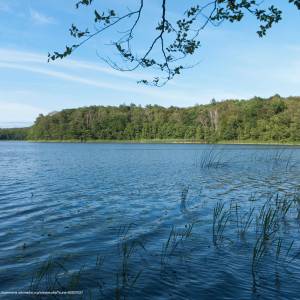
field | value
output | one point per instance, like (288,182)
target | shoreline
(158,141)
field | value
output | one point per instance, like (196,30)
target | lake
(149,221)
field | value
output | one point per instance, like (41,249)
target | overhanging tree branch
(175,40)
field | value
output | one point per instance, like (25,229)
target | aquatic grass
(184,193)
(283,205)
(128,250)
(281,259)
(128,247)
(244,221)
(266,227)
(220,219)
(170,246)
(269,247)
(275,156)
(280,248)
(289,162)
(212,158)
(275,209)
(183,199)
(258,252)
(99,266)
(100,261)
(46,274)
(252,197)
(175,239)
(278,155)
(52,275)
(296,200)
(268,223)
(281,158)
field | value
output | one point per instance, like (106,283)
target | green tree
(272,119)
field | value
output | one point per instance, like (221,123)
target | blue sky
(232,61)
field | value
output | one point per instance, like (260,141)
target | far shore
(163,141)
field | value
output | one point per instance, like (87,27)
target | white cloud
(10,55)
(170,94)
(40,18)
(65,76)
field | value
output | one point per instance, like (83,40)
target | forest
(13,133)
(273,119)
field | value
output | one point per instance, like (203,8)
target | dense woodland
(14,133)
(274,119)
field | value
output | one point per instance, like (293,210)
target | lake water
(135,221)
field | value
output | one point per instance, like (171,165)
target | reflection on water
(150,221)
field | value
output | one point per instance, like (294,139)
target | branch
(175,39)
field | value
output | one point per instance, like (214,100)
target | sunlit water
(100,216)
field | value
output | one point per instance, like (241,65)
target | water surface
(100,216)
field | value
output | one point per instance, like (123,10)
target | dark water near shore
(97,218)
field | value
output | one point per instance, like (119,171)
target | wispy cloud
(161,94)
(11,55)
(41,18)
(62,75)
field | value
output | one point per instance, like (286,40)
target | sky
(232,62)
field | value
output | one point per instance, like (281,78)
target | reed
(280,158)
(175,239)
(53,275)
(269,247)
(220,219)
(183,202)
(297,202)
(128,247)
(258,252)
(212,158)
(281,245)
(243,221)
(283,205)
(269,222)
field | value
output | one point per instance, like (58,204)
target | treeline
(14,134)
(274,119)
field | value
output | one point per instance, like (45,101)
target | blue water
(96,218)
